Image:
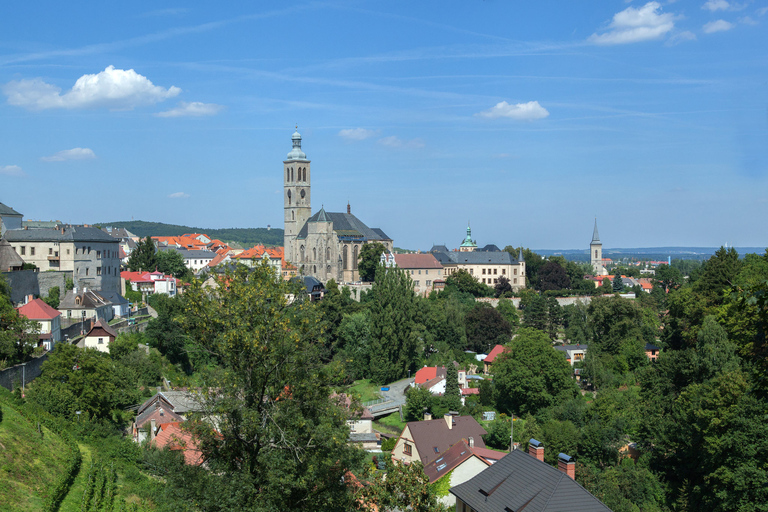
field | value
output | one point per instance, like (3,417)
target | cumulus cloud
(356,134)
(635,25)
(717,26)
(70,154)
(178,195)
(396,142)
(11,170)
(520,111)
(192,109)
(111,88)
(716,5)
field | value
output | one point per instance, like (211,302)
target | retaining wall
(12,376)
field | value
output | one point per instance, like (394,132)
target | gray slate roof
(7,210)
(8,257)
(69,234)
(344,224)
(520,481)
(89,299)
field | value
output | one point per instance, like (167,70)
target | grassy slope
(73,500)
(365,390)
(29,463)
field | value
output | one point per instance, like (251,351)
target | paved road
(393,398)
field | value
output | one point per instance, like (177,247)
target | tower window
(302,194)
(289,198)
(287,175)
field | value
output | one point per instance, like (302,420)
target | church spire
(595,235)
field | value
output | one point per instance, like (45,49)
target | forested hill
(247,237)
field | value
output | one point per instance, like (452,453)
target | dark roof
(433,437)
(89,299)
(188,254)
(448,461)
(595,235)
(489,248)
(439,248)
(100,329)
(479,257)
(7,210)
(581,346)
(649,346)
(9,258)
(161,413)
(520,480)
(344,224)
(64,234)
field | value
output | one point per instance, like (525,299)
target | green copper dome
(468,241)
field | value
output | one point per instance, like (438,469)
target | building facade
(596,253)
(424,270)
(325,245)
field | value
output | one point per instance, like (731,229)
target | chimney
(349,208)
(30,298)
(427,415)
(152,429)
(471,442)
(566,464)
(536,449)
(449,420)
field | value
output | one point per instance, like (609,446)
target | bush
(388,445)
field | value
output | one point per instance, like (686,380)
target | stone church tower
(296,198)
(596,252)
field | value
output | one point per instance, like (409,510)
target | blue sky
(528,119)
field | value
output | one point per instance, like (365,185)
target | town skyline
(649,116)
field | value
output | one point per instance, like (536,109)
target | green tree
(402,487)
(508,311)
(143,257)
(465,282)
(718,274)
(280,442)
(417,401)
(502,288)
(354,335)
(532,374)
(171,263)
(617,285)
(498,433)
(534,308)
(53,297)
(553,277)
(370,259)
(486,327)
(396,329)
(166,332)
(18,335)
(124,344)
(667,278)
(452,396)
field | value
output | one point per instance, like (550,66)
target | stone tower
(298,207)
(596,252)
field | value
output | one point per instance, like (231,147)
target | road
(393,399)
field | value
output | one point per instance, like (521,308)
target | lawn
(390,423)
(365,389)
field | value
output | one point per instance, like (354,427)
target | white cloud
(70,154)
(356,134)
(762,11)
(681,37)
(396,142)
(716,5)
(193,109)
(178,195)
(717,26)
(748,21)
(635,25)
(11,170)
(111,88)
(520,111)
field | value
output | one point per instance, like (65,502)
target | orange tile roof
(175,438)
(498,349)
(258,252)
(426,260)
(38,310)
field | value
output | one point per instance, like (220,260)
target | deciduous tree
(370,259)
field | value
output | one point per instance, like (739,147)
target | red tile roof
(428,373)
(448,461)
(258,252)
(470,391)
(38,310)
(175,438)
(426,260)
(498,349)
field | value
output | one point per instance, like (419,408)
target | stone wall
(50,279)
(563,301)
(12,376)
(32,282)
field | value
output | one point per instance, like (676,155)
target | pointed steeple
(520,256)
(595,235)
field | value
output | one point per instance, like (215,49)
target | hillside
(30,461)
(246,237)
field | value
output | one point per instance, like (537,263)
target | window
(407,449)
(101,341)
(86,271)
(98,254)
(495,281)
(471,271)
(419,271)
(67,252)
(416,283)
(31,251)
(495,271)
(289,198)
(429,283)
(89,250)
(503,271)
(436,449)
(515,281)
(98,271)
(515,272)
(426,271)
(50,251)
(483,274)
(302,193)
(23,250)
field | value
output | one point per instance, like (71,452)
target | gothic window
(302,193)
(328,270)
(354,258)
(305,174)
(328,254)
(287,175)
(345,261)
(314,269)
(289,198)
(314,253)
(301,254)
(293,215)
(292,174)
(595,253)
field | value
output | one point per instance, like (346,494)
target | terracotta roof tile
(38,310)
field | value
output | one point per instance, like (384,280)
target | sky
(527,120)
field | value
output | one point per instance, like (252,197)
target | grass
(29,462)
(73,500)
(365,389)
(391,423)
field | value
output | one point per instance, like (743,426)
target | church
(325,245)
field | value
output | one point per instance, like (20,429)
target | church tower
(596,252)
(296,197)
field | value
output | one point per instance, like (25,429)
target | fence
(22,373)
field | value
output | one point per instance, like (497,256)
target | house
(652,351)
(10,261)
(424,270)
(48,319)
(424,441)
(151,282)
(360,424)
(172,437)
(195,259)
(433,378)
(486,265)
(523,481)
(159,411)
(272,255)
(573,353)
(99,337)
(78,306)
(9,219)
(458,464)
(491,357)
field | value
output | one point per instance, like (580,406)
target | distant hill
(647,253)
(246,237)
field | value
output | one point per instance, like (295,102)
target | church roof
(595,235)
(345,225)
(468,240)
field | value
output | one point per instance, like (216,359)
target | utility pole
(512,434)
